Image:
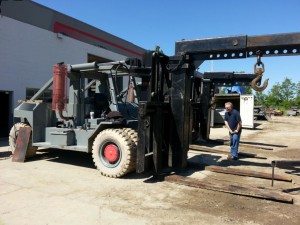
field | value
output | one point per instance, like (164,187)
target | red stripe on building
(78,34)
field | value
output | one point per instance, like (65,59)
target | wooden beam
(221,151)
(236,189)
(249,173)
(250,145)
(22,142)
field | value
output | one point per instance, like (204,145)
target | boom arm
(240,46)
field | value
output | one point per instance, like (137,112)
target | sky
(162,23)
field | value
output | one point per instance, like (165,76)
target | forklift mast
(176,95)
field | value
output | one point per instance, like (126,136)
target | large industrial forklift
(152,129)
(95,116)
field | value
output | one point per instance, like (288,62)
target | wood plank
(248,144)
(21,144)
(236,189)
(257,146)
(221,151)
(249,173)
(207,149)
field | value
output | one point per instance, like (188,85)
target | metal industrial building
(33,38)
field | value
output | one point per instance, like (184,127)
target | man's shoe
(229,157)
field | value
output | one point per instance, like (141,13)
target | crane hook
(259,73)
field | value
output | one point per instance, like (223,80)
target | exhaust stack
(59,88)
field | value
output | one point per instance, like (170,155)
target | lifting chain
(259,69)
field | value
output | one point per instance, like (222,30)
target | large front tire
(113,153)
(13,135)
(133,137)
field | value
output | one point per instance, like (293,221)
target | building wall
(27,54)
(33,38)
(43,17)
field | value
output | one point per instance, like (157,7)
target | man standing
(233,123)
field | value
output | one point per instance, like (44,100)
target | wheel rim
(110,155)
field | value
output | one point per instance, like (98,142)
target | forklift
(94,117)
(147,126)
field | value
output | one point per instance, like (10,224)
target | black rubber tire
(121,139)
(12,139)
(133,137)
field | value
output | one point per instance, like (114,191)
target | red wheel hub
(111,153)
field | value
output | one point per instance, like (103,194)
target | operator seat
(101,104)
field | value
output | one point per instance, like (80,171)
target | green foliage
(260,98)
(297,99)
(248,90)
(282,95)
(298,90)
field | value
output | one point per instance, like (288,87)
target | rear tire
(113,153)
(13,135)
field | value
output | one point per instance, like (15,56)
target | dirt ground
(63,187)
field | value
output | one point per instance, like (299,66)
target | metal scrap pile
(260,113)
(294,111)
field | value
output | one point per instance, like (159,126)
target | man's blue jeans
(234,144)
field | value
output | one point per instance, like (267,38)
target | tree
(248,90)
(288,90)
(297,99)
(259,98)
(282,95)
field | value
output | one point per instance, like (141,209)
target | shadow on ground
(293,191)
(66,157)
(5,155)
(81,159)
(292,167)
(5,152)
(207,159)
(3,142)
(226,163)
